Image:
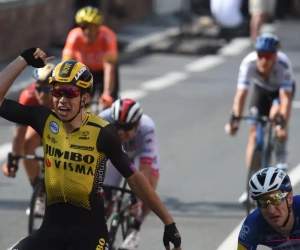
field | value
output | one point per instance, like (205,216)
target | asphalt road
(202,169)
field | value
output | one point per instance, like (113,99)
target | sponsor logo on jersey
(102,245)
(149,140)
(74,160)
(88,148)
(85,136)
(54,127)
(244,231)
(147,150)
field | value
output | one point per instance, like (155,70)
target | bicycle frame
(264,145)
(260,133)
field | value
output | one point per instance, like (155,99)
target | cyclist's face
(275,215)
(126,135)
(67,100)
(265,62)
(43,93)
(90,32)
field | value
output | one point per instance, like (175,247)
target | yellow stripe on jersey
(241,247)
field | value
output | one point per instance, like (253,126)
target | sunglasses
(69,93)
(274,199)
(266,55)
(46,90)
(125,127)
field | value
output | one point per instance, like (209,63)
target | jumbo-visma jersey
(74,163)
(73,166)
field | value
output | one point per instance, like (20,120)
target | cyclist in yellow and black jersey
(76,145)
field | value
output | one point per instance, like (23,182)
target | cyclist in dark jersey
(275,223)
(76,145)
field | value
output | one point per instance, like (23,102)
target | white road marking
(133,94)
(230,243)
(204,63)
(152,38)
(235,47)
(5,148)
(12,246)
(164,81)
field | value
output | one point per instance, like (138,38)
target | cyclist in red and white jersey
(138,135)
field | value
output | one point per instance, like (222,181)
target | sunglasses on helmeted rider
(274,199)
(266,55)
(46,90)
(125,127)
(67,92)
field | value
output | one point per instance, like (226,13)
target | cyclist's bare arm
(145,169)
(11,72)
(285,104)
(18,140)
(239,101)
(109,75)
(144,191)
(17,149)
(9,75)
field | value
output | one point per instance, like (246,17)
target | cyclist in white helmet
(137,133)
(275,223)
(270,72)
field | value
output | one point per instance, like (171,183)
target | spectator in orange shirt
(95,45)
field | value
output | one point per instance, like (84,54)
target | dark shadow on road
(14,204)
(206,209)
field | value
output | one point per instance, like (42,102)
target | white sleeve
(149,147)
(245,73)
(287,81)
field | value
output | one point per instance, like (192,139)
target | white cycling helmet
(126,111)
(267,180)
(43,74)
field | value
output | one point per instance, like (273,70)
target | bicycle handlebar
(11,158)
(279,120)
(123,190)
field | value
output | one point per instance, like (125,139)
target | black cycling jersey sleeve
(109,142)
(34,116)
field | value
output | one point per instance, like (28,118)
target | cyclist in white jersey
(137,133)
(271,72)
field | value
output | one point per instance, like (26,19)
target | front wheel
(37,207)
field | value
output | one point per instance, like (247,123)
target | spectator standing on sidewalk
(261,11)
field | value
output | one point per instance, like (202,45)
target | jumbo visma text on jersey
(74,167)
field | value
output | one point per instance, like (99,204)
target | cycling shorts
(65,226)
(262,100)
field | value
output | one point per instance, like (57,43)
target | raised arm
(34,57)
